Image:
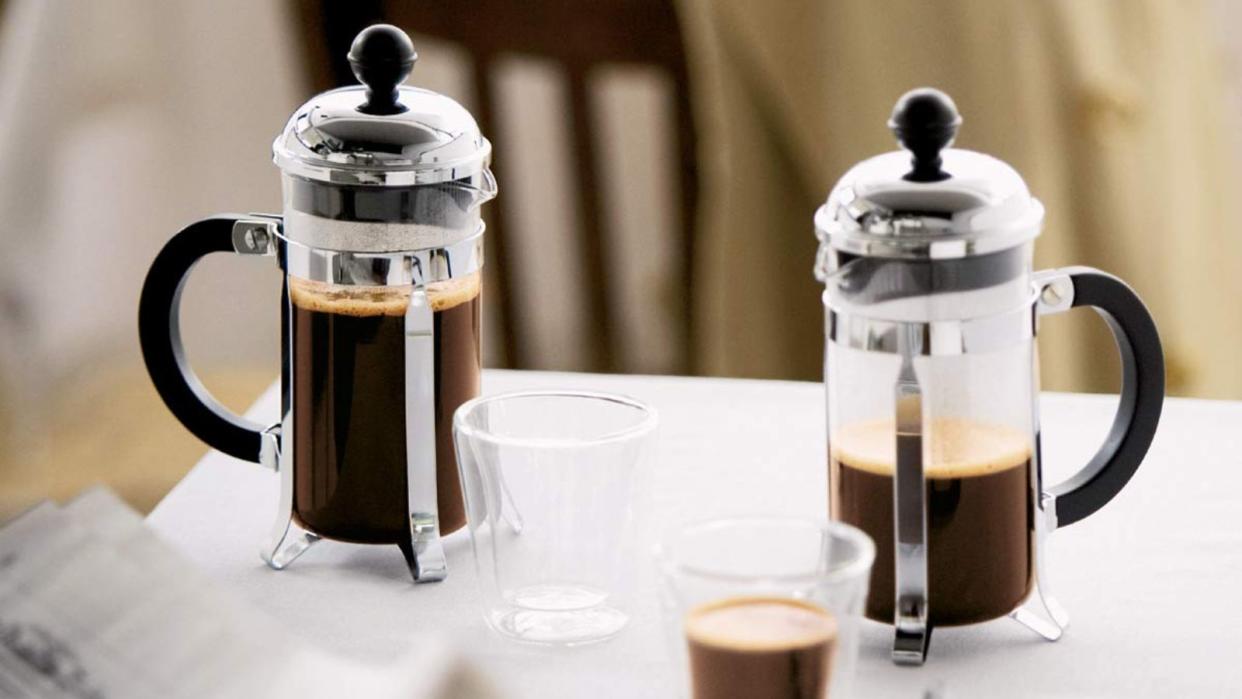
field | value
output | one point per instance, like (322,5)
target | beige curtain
(1115,112)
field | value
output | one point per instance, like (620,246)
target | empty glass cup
(549,479)
(765,606)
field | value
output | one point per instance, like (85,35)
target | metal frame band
(910,608)
(425,556)
(409,267)
(262,235)
(288,539)
(939,337)
(1052,292)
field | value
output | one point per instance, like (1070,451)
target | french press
(381,245)
(931,372)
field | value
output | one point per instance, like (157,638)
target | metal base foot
(288,545)
(1042,614)
(911,632)
(288,539)
(426,560)
(910,646)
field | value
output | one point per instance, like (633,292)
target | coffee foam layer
(958,448)
(760,624)
(364,301)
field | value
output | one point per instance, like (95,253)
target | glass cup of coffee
(549,479)
(765,606)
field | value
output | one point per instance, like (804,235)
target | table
(1151,581)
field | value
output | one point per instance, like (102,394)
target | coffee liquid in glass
(980,560)
(760,647)
(349,404)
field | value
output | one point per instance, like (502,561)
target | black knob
(382,57)
(925,121)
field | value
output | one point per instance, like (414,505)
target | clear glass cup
(765,606)
(549,481)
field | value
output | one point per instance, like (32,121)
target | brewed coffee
(349,404)
(979,526)
(760,647)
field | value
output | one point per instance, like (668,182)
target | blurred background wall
(123,120)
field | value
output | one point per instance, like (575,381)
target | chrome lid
(927,201)
(381,133)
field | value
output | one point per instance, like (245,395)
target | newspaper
(95,606)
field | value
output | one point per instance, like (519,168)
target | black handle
(1142,395)
(159,332)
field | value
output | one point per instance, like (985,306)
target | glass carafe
(381,245)
(931,312)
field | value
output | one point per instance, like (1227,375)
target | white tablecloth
(1151,581)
